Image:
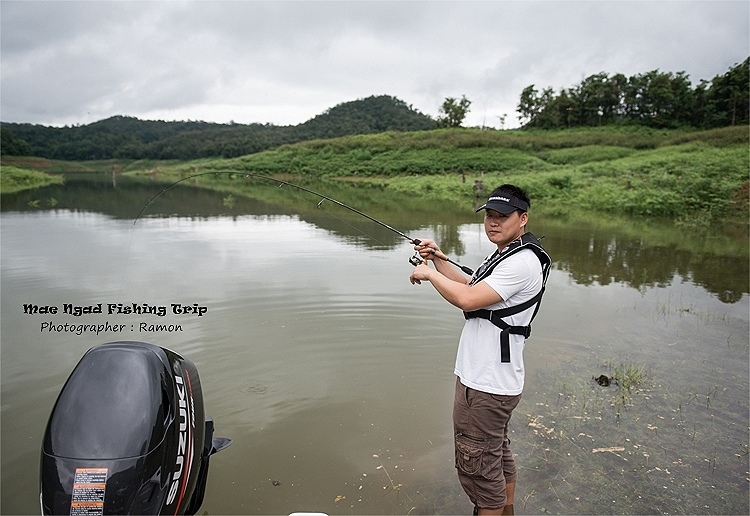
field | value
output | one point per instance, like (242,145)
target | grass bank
(14,179)
(697,178)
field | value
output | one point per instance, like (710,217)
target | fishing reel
(416,260)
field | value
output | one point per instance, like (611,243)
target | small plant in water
(626,378)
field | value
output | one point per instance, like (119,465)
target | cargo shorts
(484,460)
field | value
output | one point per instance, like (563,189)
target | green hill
(130,138)
(696,177)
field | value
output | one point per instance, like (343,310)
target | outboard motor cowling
(128,435)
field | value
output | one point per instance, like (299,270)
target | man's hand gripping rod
(418,260)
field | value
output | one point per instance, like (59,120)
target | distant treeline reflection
(591,256)
(604,260)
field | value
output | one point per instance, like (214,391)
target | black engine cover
(127,435)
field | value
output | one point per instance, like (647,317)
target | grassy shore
(14,179)
(693,177)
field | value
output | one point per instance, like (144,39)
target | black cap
(505,204)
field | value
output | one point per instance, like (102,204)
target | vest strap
(527,241)
(494,317)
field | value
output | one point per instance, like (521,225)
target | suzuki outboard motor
(128,435)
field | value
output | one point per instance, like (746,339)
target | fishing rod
(414,260)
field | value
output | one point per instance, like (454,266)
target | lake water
(333,375)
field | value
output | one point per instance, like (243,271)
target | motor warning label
(89,485)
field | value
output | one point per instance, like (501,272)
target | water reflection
(328,369)
(604,259)
(589,253)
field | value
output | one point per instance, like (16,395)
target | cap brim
(501,207)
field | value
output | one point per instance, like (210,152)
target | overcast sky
(286,62)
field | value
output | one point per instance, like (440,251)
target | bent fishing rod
(414,260)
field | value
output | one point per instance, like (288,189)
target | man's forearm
(448,270)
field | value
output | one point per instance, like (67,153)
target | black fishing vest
(527,241)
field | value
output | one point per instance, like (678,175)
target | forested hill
(131,138)
(661,100)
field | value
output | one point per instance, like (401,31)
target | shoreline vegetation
(14,179)
(695,178)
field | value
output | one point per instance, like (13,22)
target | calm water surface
(333,374)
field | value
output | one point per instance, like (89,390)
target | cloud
(285,62)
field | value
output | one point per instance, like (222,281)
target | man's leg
(480,424)
(510,490)
(509,470)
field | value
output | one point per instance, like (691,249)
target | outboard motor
(128,435)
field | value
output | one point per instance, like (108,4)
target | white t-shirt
(516,279)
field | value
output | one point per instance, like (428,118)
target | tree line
(655,99)
(130,138)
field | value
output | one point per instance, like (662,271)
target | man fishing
(499,301)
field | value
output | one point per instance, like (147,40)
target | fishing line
(319,205)
(323,197)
